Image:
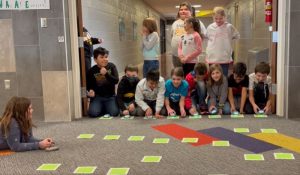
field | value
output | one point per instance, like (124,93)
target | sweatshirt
(190,47)
(218,93)
(126,91)
(15,140)
(219,45)
(151,46)
(143,92)
(103,85)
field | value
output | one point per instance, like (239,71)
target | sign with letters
(24,4)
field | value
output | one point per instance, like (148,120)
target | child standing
(220,35)
(238,83)
(149,95)
(176,91)
(101,82)
(190,46)
(260,88)
(150,45)
(217,90)
(16,127)
(126,91)
(197,92)
(185,11)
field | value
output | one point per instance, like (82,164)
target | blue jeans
(200,96)
(149,65)
(103,105)
(226,109)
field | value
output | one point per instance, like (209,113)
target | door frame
(282,53)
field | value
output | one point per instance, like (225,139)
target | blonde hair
(219,11)
(150,24)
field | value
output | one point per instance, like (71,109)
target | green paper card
(151,159)
(195,116)
(111,137)
(214,116)
(48,167)
(284,156)
(189,140)
(118,171)
(269,131)
(241,130)
(237,116)
(85,136)
(149,117)
(260,116)
(136,138)
(105,118)
(85,170)
(127,117)
(161,140)
(173,117)
(254,157)
(221,143)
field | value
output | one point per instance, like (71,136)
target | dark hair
(200,68)
(189,6)
(100,51)
(240,69)
(85,30)
(131,68)
(263,68)
(177,71)
(153,75)
(150,24)
(17,108)
(195,23)
(212,68)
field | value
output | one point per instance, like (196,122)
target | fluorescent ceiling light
(195,6)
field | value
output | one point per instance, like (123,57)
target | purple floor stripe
(240,140)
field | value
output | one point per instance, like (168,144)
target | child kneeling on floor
(16,127)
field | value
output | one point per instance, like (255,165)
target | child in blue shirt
(176,91)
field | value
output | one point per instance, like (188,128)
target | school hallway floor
(249,148)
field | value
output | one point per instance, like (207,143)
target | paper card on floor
(260,116)
(173,117)
(151,159)
(195,116)
(284,156)
(48,167)
(237,116)
(161,140)
(127,117)
(269,130)
(149,117)
(189,140)
(136,138)
(241,130)
(85,170)
(105,118)
(111,137)
(118,171)
(254,157)
(85,136)
(214,116)
(221,143)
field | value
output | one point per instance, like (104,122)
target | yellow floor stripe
(281,140)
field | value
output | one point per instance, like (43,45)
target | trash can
(256,55)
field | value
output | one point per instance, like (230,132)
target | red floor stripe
(180,132)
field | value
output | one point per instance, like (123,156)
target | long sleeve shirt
(88,46)
(15,140)
(103,85)
(151,46)
(190,47)
(218,93)
(126,92)
(143,92)
(219,45)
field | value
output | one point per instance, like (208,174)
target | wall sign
(24,4)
